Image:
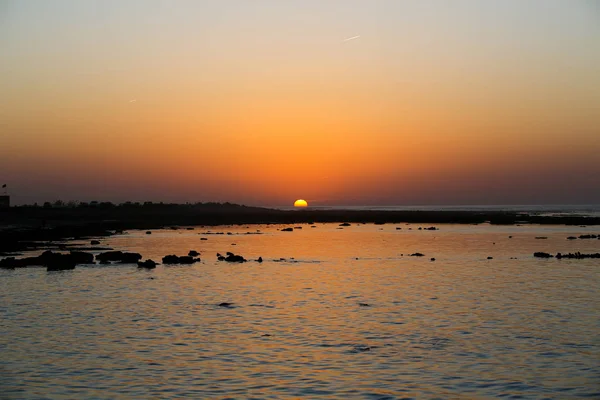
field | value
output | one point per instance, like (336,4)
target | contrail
(351,38)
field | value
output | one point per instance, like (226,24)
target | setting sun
(300,203)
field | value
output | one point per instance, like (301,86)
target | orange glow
(300,203)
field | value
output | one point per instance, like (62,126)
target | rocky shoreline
(29,228)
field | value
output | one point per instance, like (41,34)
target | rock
(60,262)
(193,253)
(119,256)
(259,259)
(398,229)
(490,258)
(571,238)
(417,255)
(345,224)
(379,223)
(541,237)
(588,236)
(226,305)
(94,242)
(234,258)
(8,263)
(578,255)
(173,259)
(81,257)
(432,259)
(203,238)
(540,254)
(148,264)
(510,237)
(287,230)
(189,229)
(364,305)
(432,228)
(297,227)
(148,232)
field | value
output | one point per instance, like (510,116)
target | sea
(332,312)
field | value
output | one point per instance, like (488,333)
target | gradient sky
(262,102)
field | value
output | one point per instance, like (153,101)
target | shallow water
(347,314)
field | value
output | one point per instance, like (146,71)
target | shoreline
(20,227)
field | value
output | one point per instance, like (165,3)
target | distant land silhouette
(20,226)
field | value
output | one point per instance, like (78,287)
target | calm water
(460,326)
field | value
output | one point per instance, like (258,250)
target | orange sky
(264,102)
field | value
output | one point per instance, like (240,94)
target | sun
(300,203)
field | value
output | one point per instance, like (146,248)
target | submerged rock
(173,259)
(119,256)
(345,224)
(148,264)
(193,253)
(417,255)
(81,257)
(233,258)
(287,230)
(541,254)
(578,255)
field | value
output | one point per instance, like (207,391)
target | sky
(339,102)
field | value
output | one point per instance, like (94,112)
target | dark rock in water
(189,229)
(193,253)
(297,227)
(588,236)
(364,305)
(541,237)
(571,238)
(510,237)
(313,226)
(432,228)
(173,259)
(81,257)
(259,259)
(119,256)
(148,264)
(490,258)
(203,238)
(417,255)
(398,229)
(432,259)
(287,230)
(60,262)
(226,305)
(378,223)
(578,255)
(8,263)
(345,224)
(148,232)
(540,254)
(94,242)
(233,258)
